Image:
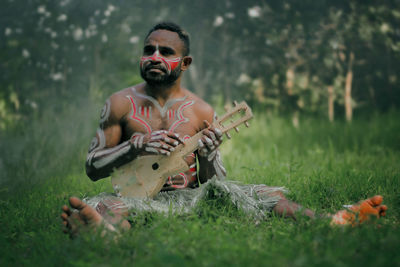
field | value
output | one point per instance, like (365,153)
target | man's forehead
(164,38)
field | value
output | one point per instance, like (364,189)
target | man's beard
(160,79)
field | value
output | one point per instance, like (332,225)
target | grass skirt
(257,200)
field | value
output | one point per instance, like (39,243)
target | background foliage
(281,56)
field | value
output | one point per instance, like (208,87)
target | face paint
(170,63)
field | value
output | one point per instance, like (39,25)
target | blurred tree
(285,56)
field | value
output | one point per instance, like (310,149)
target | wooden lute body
(145,176)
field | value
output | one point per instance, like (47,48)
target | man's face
(162,58)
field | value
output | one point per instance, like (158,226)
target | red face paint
(170,64)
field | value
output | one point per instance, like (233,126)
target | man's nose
(156,57)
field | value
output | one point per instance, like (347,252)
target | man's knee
(112,207)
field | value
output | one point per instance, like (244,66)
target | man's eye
(166,52)
(148,50)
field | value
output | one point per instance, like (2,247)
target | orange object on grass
(361,212)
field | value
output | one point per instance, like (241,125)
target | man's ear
(187,60)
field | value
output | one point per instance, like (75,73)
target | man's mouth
(155,69)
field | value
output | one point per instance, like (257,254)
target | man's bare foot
(84,218)
(361,212)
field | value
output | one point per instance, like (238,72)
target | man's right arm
(106,150)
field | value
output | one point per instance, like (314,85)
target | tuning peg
(246,124)
(236,129)
(235,103)
(228,136)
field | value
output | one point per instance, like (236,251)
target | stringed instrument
(145,176)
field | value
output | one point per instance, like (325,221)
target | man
(154,118)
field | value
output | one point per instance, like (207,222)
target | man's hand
(158,142)
(210,141)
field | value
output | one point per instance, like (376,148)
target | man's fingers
(170,138)
(176,137)
(157,151)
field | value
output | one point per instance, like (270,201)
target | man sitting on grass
(153,118)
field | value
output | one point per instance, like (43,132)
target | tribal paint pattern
(98,142)
(167,106)
(183,180)
(99,157)
(171,64)
(133,115)
(137,140)
(105,112)
(181,119)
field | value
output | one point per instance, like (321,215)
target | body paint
(145,111)
(108,156)
(135,118)
(178,176)
(105,112)
(171,114)
(100,143)
(99,157)
(181,119)
(137,140)
(163,110)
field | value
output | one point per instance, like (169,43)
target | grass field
(323,165)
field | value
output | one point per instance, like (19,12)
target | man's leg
(87,217)
(290,209)
(356,214)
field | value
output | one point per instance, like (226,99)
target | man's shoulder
(200,106)
(119,103)
(122,95)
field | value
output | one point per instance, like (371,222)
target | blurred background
(60,60)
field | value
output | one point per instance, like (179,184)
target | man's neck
(163,93)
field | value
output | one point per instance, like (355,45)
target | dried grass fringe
(255,200)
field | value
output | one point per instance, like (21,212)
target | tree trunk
(347,95)
(197,83)
(289,86)
(331,99)
(94,83)
(226,79)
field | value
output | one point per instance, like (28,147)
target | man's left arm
(209,155)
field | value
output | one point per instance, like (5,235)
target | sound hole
(155,166)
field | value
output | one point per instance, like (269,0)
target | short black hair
(173,27)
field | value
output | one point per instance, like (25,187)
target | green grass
(323,165)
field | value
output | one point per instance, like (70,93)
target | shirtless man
(153,118)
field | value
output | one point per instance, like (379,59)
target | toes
(382,210)
(64,216)
(375,200)
(66,210)
(76,203)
